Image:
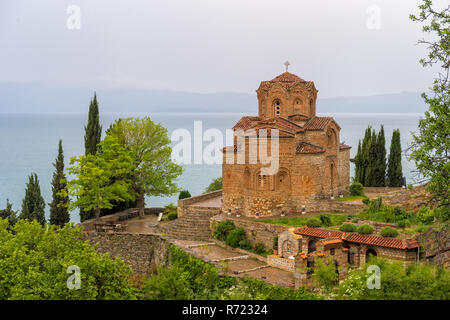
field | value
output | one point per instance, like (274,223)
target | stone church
(313,164)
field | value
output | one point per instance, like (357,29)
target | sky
(347,47)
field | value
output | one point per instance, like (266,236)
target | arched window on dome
(277,107)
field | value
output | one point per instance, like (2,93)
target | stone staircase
(191,226)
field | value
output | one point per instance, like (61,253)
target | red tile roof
(281,122)
(285,79)
(394,243)
(305,147)
(281,133)
(246,122)
(381,241)
(300,116)
(331,241)
(343,146)
(317,123)
(318,233)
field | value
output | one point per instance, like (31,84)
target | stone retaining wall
(255,231)
(143,252)
(183,205)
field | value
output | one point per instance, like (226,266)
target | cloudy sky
(347,47)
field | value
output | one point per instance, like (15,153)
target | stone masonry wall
(255,231)
(184,204)
(142,252)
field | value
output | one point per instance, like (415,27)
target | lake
(28,143)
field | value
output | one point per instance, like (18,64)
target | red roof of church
(286,79)
(281,133)
(282,122)
(305,147)
(359,238)
(246,122)
(317,123)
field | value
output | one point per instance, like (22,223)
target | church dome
(286,79)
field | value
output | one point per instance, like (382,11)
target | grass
(336,219)
(350,198)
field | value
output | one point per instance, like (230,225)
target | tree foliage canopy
(431,145)
(34,262)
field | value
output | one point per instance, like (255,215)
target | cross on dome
(287,64)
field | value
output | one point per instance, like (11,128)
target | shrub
(245,244)
(425,215)
(172,215)
(356,189)
(166,285)
(348,227)
(234,237)
(389,232)
(442,213)
(259,248)
(222,229)
(184,194)
(313,223)
(377,203)
(402,223)
(365,229)
(170,208)
(325,220)
(366,201)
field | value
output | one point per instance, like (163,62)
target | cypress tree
(59,214)
(92,137)
(371,160)
(364,160)
(394,172)
(357,161)
(380,169)
(93,130)
(8,213)
(33,204)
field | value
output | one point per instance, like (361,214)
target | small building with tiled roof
(299,247)
(312,163)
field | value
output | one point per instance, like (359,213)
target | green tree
(380,169)
(371,160)
(364,159)
(8,213)
(92,187)
(92,137)
(59,215)
(184,194)
(33,204)
(35,259)
(394,171)
(358,164)
(215,185)
(431,145)
(153,172)
(93,129)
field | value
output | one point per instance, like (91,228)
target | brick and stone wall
(281,263)
(142,252)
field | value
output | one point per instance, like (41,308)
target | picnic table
(110,226)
